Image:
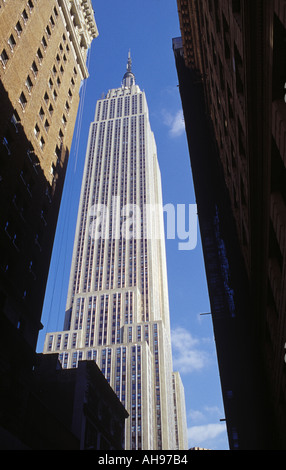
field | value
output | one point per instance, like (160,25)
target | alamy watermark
(130,221)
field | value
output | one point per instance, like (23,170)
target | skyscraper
(117,309)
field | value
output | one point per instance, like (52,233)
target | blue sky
(146,29)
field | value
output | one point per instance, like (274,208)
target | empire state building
(117,310)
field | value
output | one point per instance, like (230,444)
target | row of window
(84,210)
(228,123)
(60,341)
(117,107)
(113,319)
(52,90)
(102,136)
(120,380)
(17,32)
(115,364)
(13,227)
(55,79)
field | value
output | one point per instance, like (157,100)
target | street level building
(232,73)
(43,62)
(117,310)
(73,409)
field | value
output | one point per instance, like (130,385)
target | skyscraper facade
(117,309)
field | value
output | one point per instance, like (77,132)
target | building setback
(43,54)
(117,309)
(232,74)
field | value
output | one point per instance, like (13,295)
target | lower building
(83,401)
(73,409)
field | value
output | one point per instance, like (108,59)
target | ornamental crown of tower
(129,77)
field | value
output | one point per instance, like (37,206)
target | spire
(129,78)
(129,63)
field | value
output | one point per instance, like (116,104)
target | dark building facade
(232,74)
(81,401)
(73,409)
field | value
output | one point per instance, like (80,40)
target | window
(25,16)
(48,31)
(34,69)
(51,110)
(41,114)
(19,28)
(44,43)
(50,345)
(42,143)
(15,120)
(4,57)
(36,130)
(29,83)
(6,144)
(40,55)
(52,169)
(30,5)
(58,152)
(23,100)
(12,42)
(47,125)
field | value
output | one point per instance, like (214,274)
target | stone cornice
(81,26)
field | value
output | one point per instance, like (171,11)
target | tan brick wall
(32,194)
(56,74)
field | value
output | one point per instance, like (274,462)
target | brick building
(43,55)
(232,73)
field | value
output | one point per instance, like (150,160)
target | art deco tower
(117,307)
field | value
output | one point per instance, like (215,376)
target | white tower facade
(117,309)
